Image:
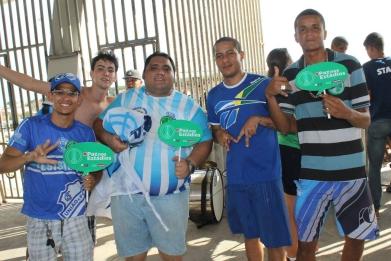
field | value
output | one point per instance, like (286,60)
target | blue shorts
(258,211)
(355,215)
(136,228)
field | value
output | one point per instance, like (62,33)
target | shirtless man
(103,73)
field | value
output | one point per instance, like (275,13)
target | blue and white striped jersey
(152,160)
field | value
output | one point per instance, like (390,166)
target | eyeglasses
(62,93)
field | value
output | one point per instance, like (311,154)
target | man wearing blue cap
(54,198)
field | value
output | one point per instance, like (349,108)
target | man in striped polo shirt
(333,161)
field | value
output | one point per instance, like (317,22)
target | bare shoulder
(84,91)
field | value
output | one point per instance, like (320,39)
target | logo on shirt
(383,70)
(231,107)
(63,144)
(166,118)
(72,200)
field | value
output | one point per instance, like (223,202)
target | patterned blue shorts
(353,206)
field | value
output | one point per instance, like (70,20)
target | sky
(352,19)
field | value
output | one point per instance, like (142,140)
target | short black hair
(235,42)
(158,54)
(339,40)
(310,12)
(374,40)
(106,56)
(277,57)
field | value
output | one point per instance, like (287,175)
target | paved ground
(212,242)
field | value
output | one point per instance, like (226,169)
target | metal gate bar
(132,29)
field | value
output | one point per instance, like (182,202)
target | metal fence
(34,32)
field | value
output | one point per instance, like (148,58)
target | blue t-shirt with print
(52,192)
(231,107)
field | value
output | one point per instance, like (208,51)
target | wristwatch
(191,166)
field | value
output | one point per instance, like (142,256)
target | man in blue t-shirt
(54,194)
(329,130)
(378,75)
(239,116)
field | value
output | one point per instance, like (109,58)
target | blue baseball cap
(65,77)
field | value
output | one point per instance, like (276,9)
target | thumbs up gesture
(278,85)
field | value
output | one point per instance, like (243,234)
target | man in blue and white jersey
(159,218)
(54,194)
(329,128)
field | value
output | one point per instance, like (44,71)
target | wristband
(191,166)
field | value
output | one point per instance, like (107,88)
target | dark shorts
(290,164)
(258,211)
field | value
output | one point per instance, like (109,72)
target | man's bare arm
(337,108)
(110,140)
(360,118)
(283,123)
(24,81)
(200,153)
(13,159)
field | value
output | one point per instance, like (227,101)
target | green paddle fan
(88,157)
(322,76)
(179,133)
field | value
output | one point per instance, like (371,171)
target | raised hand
(40,152)
(278,85)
